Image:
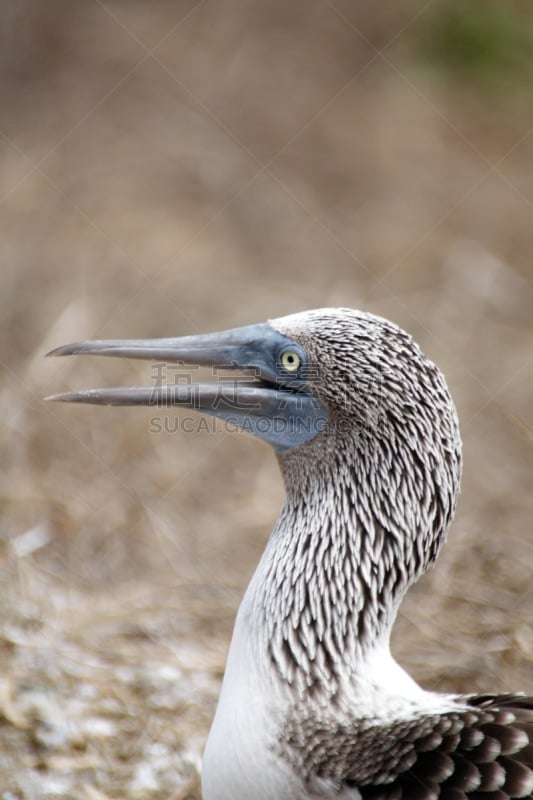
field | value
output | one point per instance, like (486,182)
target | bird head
(333,390)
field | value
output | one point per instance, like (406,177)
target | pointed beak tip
(64,350)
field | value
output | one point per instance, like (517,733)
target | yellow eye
(290,361)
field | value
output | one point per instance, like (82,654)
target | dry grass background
(177,167)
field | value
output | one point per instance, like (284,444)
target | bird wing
(483,751)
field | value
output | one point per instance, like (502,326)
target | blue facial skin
(276,406)
(285,417)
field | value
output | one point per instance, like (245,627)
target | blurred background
(179,167)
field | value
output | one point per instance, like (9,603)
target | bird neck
(340,558)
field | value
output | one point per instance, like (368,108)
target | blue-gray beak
(274,402)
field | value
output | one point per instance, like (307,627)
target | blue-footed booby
(313,705)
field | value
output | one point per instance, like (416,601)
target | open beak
(269,403)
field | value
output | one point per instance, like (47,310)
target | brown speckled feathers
(483,753)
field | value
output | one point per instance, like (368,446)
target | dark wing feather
(487,754)
(481,752)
